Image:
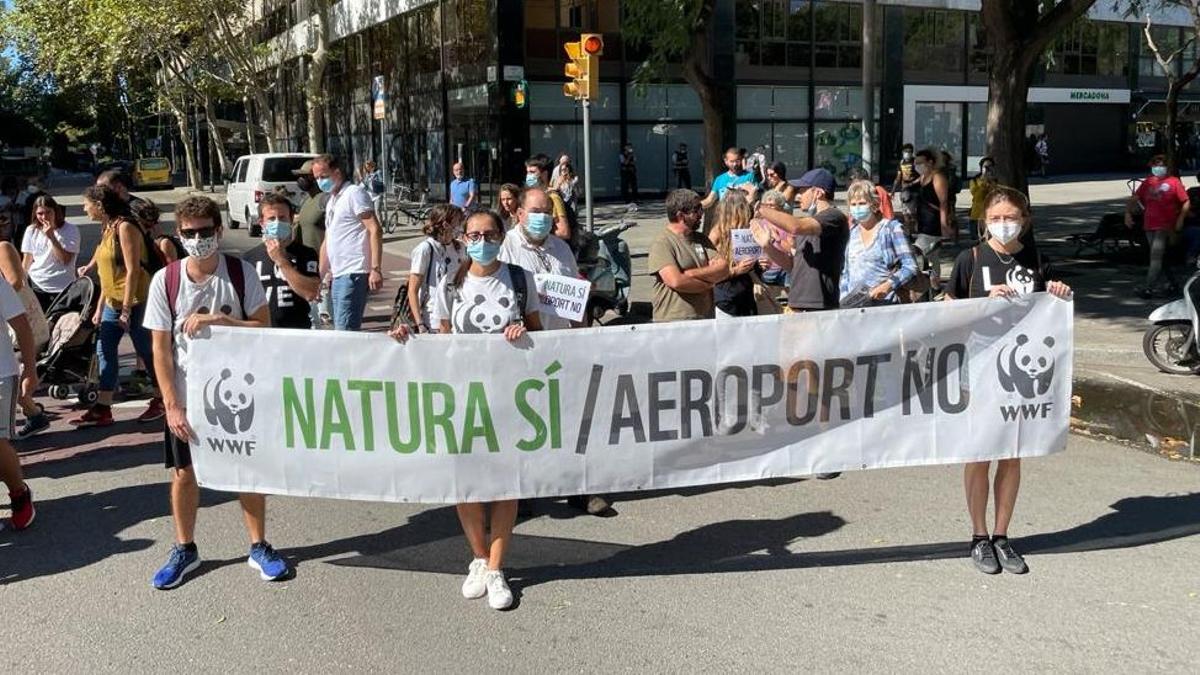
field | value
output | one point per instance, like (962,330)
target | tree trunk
(214,133)
(251,137)
(868,87)
(193,172)
(1008,92)
(262,103)
(696,67)
(314,94)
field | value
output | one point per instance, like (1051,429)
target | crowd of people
(816,255)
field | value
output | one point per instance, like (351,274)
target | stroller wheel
(59,392)
(88,396)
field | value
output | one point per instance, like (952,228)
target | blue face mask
(279,230)
(325,184)
(538,225)
(532,180)
(483,252)
(860,212)
(1159,171)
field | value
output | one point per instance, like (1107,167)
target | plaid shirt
(889,257)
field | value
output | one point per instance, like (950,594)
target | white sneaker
(499,595)
(476,584)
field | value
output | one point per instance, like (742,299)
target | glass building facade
(450,68)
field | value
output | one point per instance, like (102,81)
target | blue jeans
(349,301)
(110,337)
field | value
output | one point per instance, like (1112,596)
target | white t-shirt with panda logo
(483,304)
(214,294)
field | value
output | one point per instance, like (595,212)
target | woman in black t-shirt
(1000,267)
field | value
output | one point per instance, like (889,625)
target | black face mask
(305,183)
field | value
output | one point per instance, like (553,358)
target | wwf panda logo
(229,402)
(483,314)
(1026,368)
(1020,279)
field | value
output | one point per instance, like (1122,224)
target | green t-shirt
(685,253)
(310,221)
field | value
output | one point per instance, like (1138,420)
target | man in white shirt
(353,248)
(532,246)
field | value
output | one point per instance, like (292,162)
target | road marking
(1126,380)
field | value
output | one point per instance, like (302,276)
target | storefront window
(1166,39)
(838,35)
(976,135)
(774,32)
(553,138)
(838,148)
(662,102)
(840,102)
(1089,48)
(933,40)
(546,102)
(939,126)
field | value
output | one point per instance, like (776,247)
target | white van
(255,175)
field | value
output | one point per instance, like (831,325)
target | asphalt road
(864,573)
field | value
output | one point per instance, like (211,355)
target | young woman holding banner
(488,279)
(735,295)
(1000,267)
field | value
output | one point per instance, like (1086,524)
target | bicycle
(404,203)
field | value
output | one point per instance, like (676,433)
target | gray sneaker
(1010,560)
(984,556)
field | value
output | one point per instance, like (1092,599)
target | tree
(1018,33)
(1177,79)
(680,31)
(314,85)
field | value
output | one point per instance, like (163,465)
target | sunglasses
(202,233)
(491,235)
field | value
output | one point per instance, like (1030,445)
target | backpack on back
(174,281)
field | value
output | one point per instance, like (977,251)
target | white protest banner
(564,297)
(455,418)
(744,245)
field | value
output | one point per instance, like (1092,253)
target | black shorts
(176,453)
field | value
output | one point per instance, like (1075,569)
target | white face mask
(201,248)
(1005,231)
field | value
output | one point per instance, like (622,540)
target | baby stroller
(68,365)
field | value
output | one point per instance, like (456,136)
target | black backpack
(152,258)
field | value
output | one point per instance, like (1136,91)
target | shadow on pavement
(432,542)
(74,532)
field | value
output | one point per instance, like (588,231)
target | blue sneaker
(181,563)
(270,565)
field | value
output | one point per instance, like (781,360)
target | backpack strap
(520,288)
(174,279)
(237,277)
(974,268)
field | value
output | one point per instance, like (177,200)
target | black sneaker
(984,556)
(828,476)
(1010,560)
(33,424)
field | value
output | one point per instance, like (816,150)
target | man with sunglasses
(353,246)
(684,263)
(205,289)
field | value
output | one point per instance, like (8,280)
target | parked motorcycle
(1171,341)
(603,258)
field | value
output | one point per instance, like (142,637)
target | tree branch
(1061,15)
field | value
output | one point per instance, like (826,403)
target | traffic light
(583,67)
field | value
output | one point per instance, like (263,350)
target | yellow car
(152,172)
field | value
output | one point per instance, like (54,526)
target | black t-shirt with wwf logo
(977,270)
(288,310)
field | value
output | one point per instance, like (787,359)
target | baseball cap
(820,178)
(305,168)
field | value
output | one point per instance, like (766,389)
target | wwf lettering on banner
(744,246)
(564,297)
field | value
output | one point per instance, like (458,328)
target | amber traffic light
(583,67)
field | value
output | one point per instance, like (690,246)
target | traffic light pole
(587,163)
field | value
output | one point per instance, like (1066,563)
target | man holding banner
(205,289)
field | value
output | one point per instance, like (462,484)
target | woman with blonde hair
(1000,267)
(735,295)
(878,260)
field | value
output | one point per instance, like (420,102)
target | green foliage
(663,29)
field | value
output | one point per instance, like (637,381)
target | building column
(891,95)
